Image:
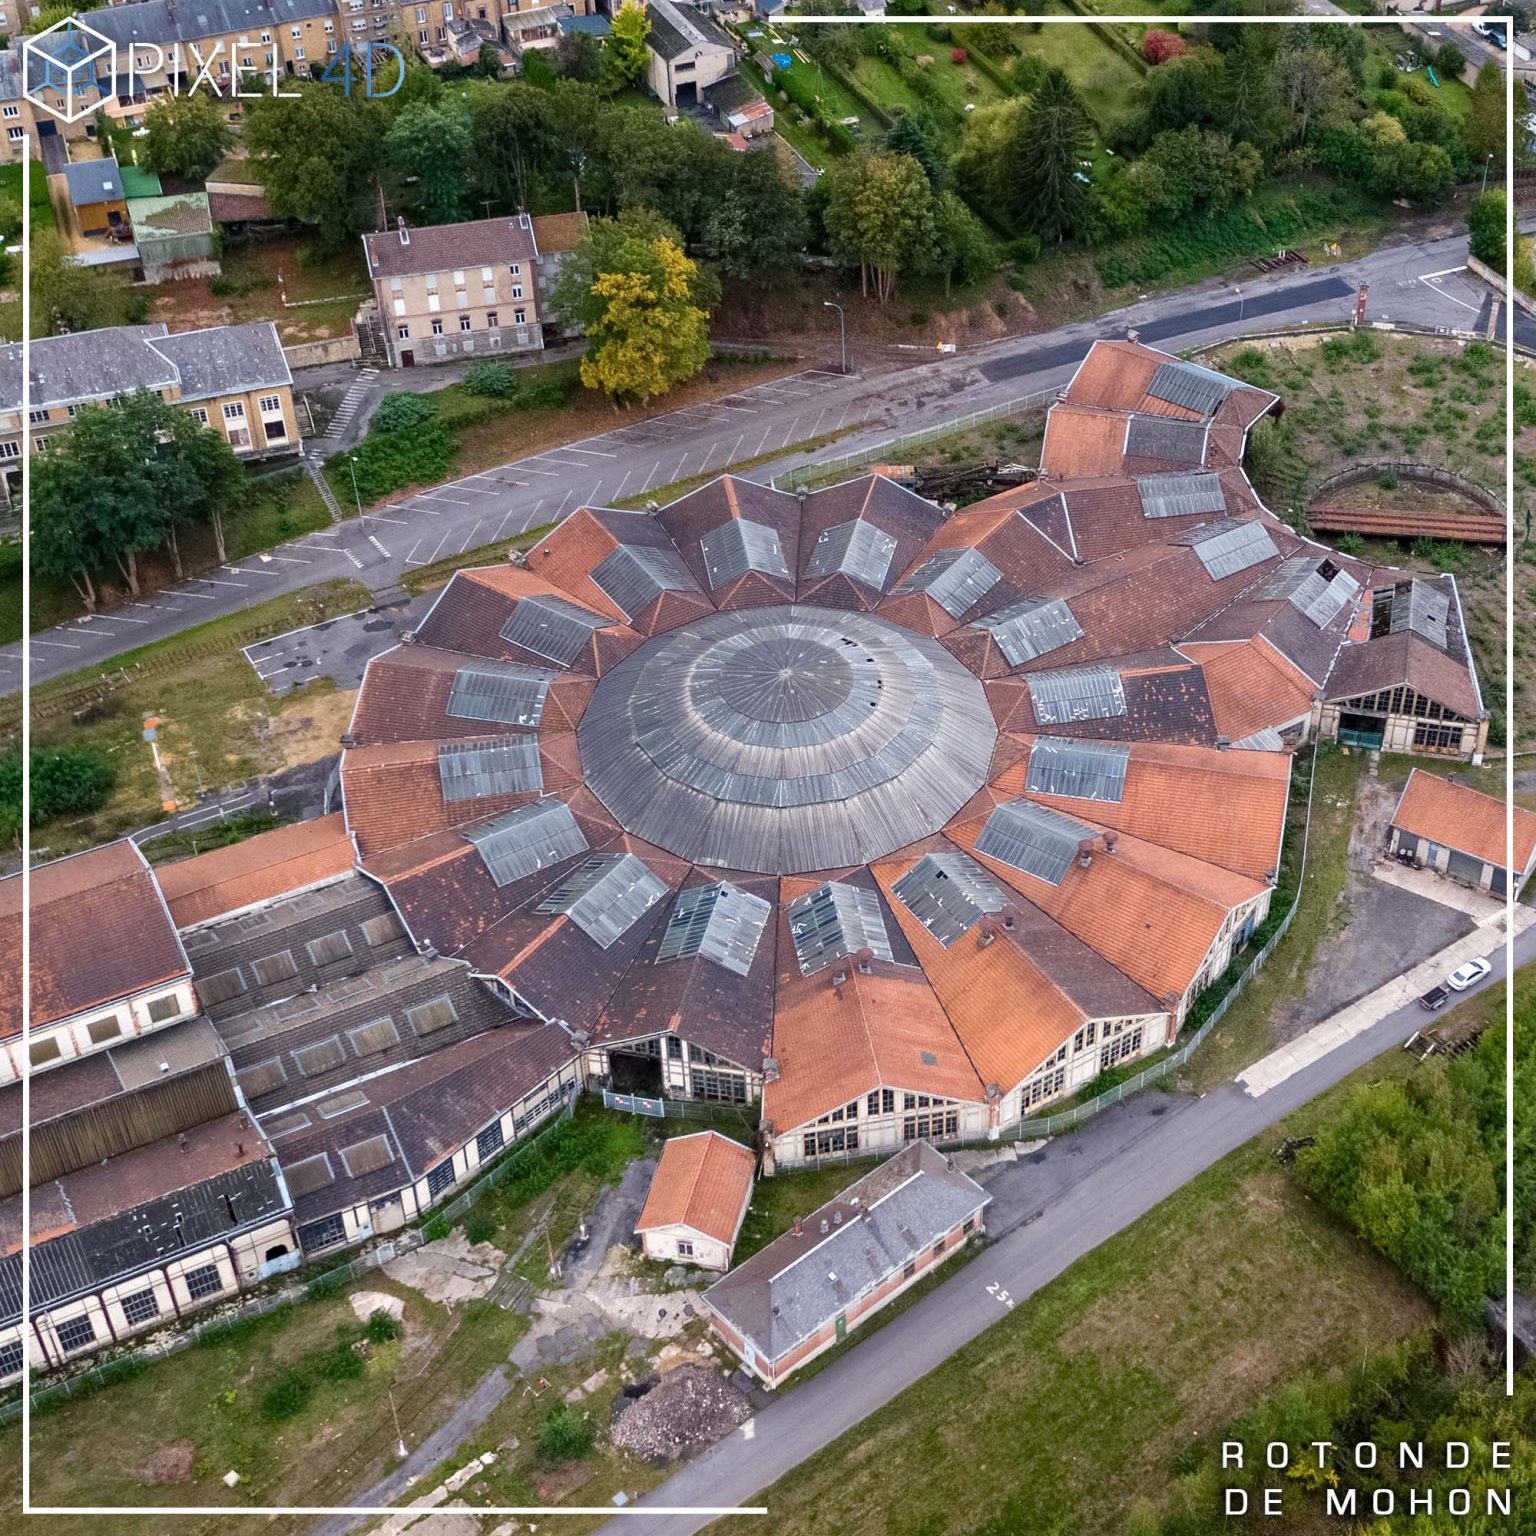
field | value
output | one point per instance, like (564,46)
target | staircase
(327,495)
(350,402)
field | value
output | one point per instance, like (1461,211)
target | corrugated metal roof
(1193,387)
(834,921)
(636,574)
(606,896)
(499,691)
(503,765)
(1031,627)
(551,627)
(1180,495)
(947,892)
(529,838)
(739,546)
(1230,546)
(856,548)
(956,579)
(1076,693)
(1081,770)
(720,922)
(1033,838)
(1165,437)
(1423,609)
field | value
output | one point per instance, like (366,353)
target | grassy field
(1095,1391)
(1243,1034)
(216,723)
(1103,76)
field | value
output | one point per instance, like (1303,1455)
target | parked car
(1435,998)
(1465,975)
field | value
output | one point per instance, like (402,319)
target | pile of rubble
(682,1411)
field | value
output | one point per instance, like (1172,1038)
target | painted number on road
(997,1291)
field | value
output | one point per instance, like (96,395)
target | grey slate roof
(93,181)
(450,247)
(676,30)
(226,359)
(801,1281)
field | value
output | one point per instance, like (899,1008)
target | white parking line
(399,522)
(458,501)
(577,448)
(213,581)
(202,597)
(528,469)
(378,546)
(468,536)
(440,543)
(291,559)
(1475,308)
(620,491)
(840,419)
(410,558)
(561,507)
(63,645)
(650,477)
(761,441)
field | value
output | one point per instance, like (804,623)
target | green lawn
(42,207)
(1103,76)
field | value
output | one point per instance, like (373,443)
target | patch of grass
(1097,1385)
(221,834)
(424,578)
(1242,1036)
(776,1202)
(662,494)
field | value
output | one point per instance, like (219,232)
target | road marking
(816,425)
(380,547)
(470,535)
(1443,272)
(214,582)
(618,493)
(1000,1295)
(290,560)
(63,645)
(1475,308)
(530,470)
(592,500)
(761,441)
(840,419)
(202,597)
(574,448)
(656,466)
(561,507)
(399,522)
(730,458)
(433,556)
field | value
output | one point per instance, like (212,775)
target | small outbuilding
(1461,832)
(806,1290)
(698,1197)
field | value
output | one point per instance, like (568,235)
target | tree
(1487,221)
(879,218)
(317,153)
(980,162)
(1450,61)
(1158,46)
(625,51)
(963,251)
(576,128)
(579,56)
(1194,170)
(65,298)
(832,47)
(918,135)
(428,148)
(1311,84)
(1249,108)
(185,135)
(1486,124)
(642,304)
(1047,159)
(121,482)
(756,223)
(511,142)
(1185,90)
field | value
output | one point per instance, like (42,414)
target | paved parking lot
(337,648)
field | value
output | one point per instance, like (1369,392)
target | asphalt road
(1424,283)
(1131,1164)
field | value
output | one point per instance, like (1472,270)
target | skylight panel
(834,921)
(507,765)
(1081,770)
(606,896)
(527,839)
(1076,693)
(499,691)
(1033,838)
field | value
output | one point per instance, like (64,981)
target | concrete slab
(1482,908)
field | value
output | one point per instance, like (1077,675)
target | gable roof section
(1460,817)
(449,247)
(703,1182)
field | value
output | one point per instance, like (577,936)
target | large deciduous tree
(185,135)
(879,218)
(643,305)
(625,52)
(1487,123)
(65,297)
(427,148)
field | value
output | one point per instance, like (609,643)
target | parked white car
(1465,975)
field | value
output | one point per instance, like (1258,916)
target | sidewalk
(1360,1016)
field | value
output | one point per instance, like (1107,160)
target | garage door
(1465,868)
(1500,883)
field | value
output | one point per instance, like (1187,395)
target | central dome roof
(726,741)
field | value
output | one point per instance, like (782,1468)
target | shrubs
(66,782)
(563,1436)
(403,412)
(405,445)
(1158,46)
(381,1328)
(492,380)
(1025,249)
(287,1397)
(342,1361)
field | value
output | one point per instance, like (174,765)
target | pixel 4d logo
(71,61)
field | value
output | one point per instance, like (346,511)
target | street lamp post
(352,465)
(1486,163)
(842,330)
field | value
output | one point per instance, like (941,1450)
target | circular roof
(786,739)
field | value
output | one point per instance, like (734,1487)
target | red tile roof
(1457,816)
(703,1181)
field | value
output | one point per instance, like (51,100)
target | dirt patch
(171,1463)
(684,1411)
(310,727)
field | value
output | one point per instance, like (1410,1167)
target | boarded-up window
(162,1008)
(341,1104)
(271,969)
(436,1014)
(320,1057)
(383,929)
(107,1027)
(329,948)
(370,1039)
(220,987)
(45,1050)
(367,1156)
(306,1177)
(262,1078)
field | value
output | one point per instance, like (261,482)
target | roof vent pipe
(839,977)
(1085,852)
(405,234)
(864,958)
(1010,915)
(988,928)
(1110,839)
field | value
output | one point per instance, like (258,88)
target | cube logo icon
(68,69)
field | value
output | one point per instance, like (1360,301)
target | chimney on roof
(987,927)
(182,1142)
(165,1066)
(1223,742)
(800,496)
(1110,839)
(825,1226)
(524,220)
(348,739)
(839,977)
(837,1218)
(1085,852)
(239,1149)
(405,234)
(863,959)
(1132,335)
(1010,915)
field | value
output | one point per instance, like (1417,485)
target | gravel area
(686,1410)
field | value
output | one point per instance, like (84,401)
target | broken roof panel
(636,574)
(500,765)
(605,896)
(720,922)
(1167,438)
(1230,546)
(739,546)
(1318,589)
(834,921)
(499,691)
(1076,693)
(1193,387)
(947,892)
(956,579)
(1033,838)
(1082,770)
(553,627)
(1180,495)
(856,548)
(530,838)
(1031,627)
(1423,609)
